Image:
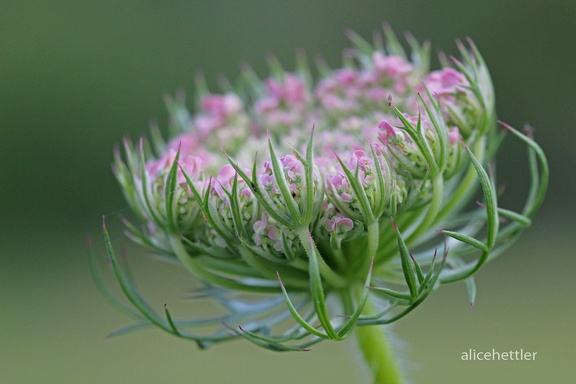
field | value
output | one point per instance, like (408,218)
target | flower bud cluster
(362,180)
(276,239)
(231,206)
(371,160)
(324,184)
(450,87)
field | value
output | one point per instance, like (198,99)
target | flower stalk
(378,354)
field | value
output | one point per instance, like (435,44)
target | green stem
(333,278)
(377,352)
(339,258)
(461,195)
(372,247)
(434,208)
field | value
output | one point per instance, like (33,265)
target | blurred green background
(77,76)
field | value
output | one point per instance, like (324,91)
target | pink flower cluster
(353,91)
(350,107)
(262,228)
(339,223)
(284,103)
(274,238)
(192,158)
(445,83)
(216,111)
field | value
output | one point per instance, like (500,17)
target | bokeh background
(77,76)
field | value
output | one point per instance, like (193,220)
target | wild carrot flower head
(298,199)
